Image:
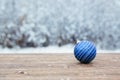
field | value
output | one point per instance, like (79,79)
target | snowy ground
(68,49)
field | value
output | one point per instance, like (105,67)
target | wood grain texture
(58,67)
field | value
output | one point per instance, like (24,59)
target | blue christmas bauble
(85,51)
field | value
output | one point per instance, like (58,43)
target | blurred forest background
(42,23)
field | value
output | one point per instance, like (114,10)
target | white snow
(68,49)
(41,23)
(51,49)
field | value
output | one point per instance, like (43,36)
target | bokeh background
(44,23)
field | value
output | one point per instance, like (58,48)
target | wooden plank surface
(58,67)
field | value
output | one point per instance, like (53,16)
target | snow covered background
(52,25)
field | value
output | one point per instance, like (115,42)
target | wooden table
(58,67)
